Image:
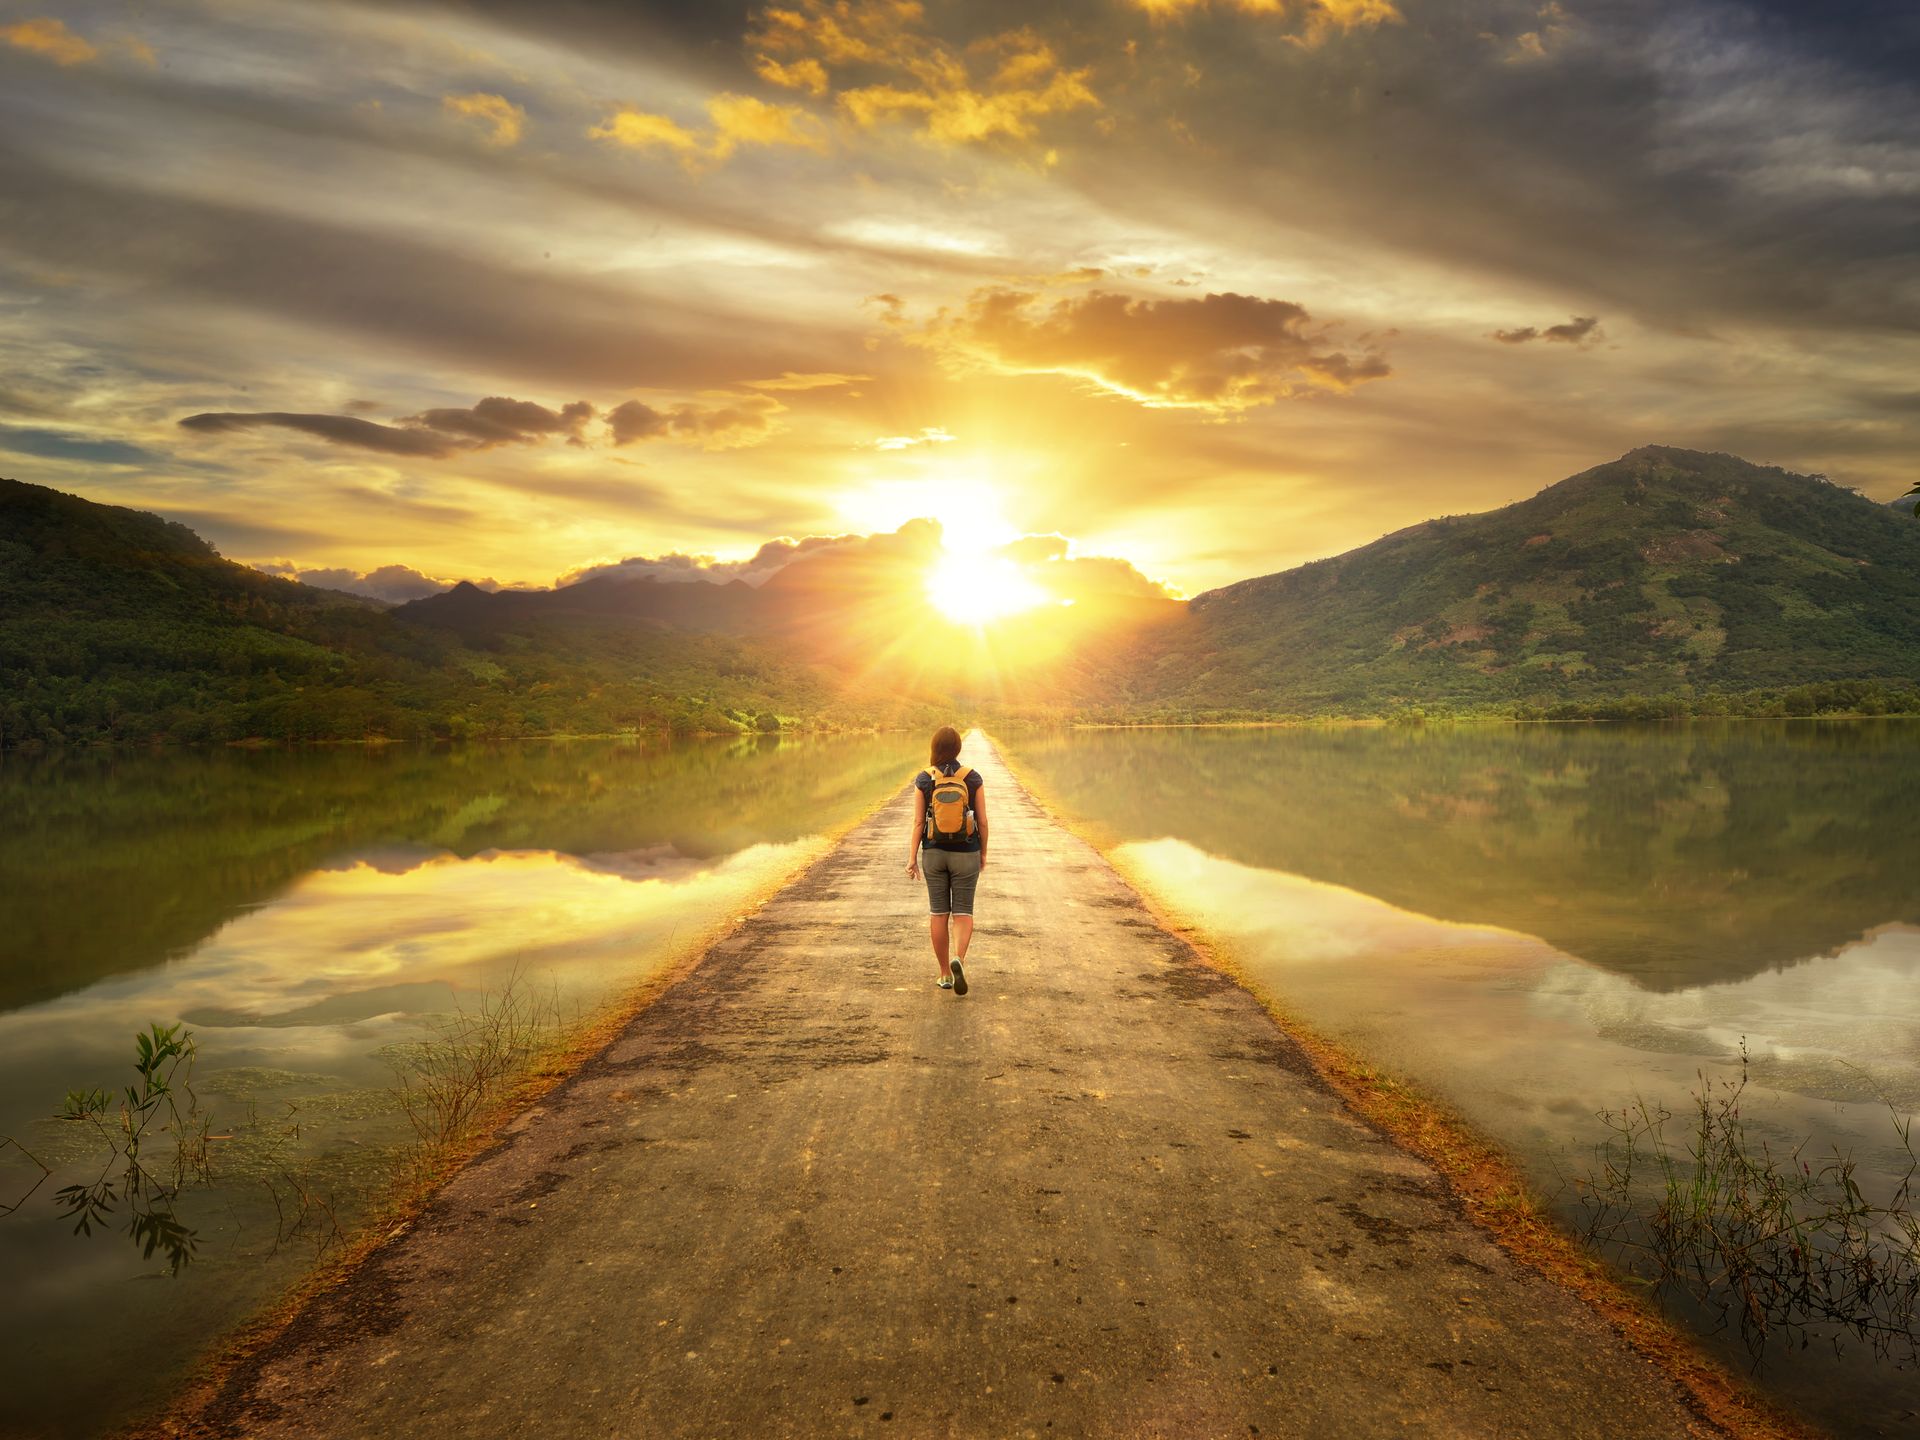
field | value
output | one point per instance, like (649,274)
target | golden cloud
(504,120)
(807,380)
(1314,19)
(1222,353)
(882,66)
(51,39)
(737,120)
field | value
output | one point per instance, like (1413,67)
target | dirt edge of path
(1490,1187)
(238,1354)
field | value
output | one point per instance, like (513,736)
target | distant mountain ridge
(1665,572)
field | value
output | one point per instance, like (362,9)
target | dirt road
(808,1193)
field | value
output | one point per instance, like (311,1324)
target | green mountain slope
(1664,571)
(116,625)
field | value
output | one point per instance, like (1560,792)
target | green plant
(1781,1242)
(446,1083)
(161,1103)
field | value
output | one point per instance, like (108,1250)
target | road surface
(807,1193)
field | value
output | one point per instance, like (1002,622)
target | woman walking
(949,843)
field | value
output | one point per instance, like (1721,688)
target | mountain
(1665,571)
(116,625)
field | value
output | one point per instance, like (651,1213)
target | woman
(949,842)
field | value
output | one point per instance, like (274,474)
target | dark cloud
(59,445)
(1685,163)
(498,420)
(744,420)
(1572,332)
(631,420)
(431,435)
(334,429)
(1221,352)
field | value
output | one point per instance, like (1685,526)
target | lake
(1536,923)
(308,915)
(1532,923)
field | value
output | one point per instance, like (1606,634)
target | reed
(1784,1244)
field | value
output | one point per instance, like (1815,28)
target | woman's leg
(933,865)
(966,875)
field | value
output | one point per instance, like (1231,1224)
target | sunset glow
(977,588)
(507,293)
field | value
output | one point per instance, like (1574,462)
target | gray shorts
(951,876)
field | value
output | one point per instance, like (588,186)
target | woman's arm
(919,822)
(980,819)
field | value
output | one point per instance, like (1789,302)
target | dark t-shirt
(923,782)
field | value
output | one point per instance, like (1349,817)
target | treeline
(1832,698)
(69,684)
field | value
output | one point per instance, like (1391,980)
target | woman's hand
(913,868)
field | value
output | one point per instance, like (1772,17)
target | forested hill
(116,625)
(1666,571)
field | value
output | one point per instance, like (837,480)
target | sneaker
(945,982)
(959,979)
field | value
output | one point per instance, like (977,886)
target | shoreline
(656,738)
(423,1175)
(1493,1191)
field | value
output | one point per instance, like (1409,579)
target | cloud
(430,435)
(60,445)
(1222,352)
(882,66)
(774,555)
(1537,44)
(818,380)
(846,566)
(416,292)
(498,420)
(1049,561)
(504,120)
(1574,332)
(927,435)
(334,429)
(743,420)
(395,584)
(737,120)
(50,39)
(1312,20)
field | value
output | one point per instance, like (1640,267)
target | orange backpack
(949,816)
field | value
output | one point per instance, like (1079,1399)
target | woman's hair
(946,745)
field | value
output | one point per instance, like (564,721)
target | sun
(975,587)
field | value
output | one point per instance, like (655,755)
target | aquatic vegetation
(159,1113)
(447,1083)
(1781,1244)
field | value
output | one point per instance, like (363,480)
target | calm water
(304,914)
(1536,923)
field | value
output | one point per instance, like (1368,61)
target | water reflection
(1674,857)
(308,915)
(1539,924)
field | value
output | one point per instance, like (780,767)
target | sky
(396,294)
